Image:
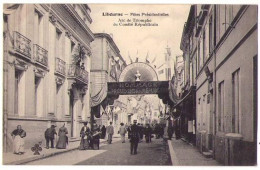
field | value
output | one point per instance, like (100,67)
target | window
(225,15)
(17,88)
(199,59)
(191,75)
(37,81)
(235,102)
(58,44)
(204,46)
(221,106)
(59,99)
(194,66)
(211,45)
(38,28)
(161,71)
(22,20)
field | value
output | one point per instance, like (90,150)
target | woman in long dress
(103,130)
(84,134)
(63,139)
(18,140)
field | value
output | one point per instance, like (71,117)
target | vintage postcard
(130,84)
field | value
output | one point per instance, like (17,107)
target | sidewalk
(13,159)
(184,154)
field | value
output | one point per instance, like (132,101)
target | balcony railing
(22,44)
(78,73)
(60,66)
(40,55)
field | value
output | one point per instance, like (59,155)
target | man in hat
(110,132)
(49,136)
(134,137)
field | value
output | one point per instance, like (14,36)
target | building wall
(241,58)
(52,105)
(225,99)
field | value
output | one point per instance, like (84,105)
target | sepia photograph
(129,84)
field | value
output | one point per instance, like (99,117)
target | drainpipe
(5,81)
(214,83)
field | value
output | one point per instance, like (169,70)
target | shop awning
(192,90)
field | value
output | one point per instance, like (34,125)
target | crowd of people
(90,138)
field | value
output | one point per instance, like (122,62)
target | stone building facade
(220,43)
(106,67)
(47,58)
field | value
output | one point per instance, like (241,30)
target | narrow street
(117,153)
(171,153)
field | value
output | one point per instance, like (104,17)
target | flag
(136,60)
(161,66)
(146,58)
(130,58)
(154,59)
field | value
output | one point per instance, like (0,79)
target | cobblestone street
(173,152)
(117,153)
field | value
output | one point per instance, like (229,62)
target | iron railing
(40,55)
(60,66)
(77,73)
(22,44)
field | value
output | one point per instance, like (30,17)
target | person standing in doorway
(134,138)
(122,132)
(110,132)
(50,135)
(18,136)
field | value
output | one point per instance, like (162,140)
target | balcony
(40,55)
(60,66)
(77,73)
(22,45)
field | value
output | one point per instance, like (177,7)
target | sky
(138,41)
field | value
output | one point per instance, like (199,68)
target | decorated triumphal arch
(138,78)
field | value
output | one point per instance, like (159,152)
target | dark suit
(49,136)
(134,138)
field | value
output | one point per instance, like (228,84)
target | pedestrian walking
(110,132)
(134,138)
(96,133)
(129,131)
(84,134)
(18,136)
(50,135)
(141,132)
(148,133)
(161,130)
(157,130)
(63,138)
(122,132)
(103,132)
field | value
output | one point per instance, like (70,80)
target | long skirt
(84,144)
(61,144)
(18,144)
